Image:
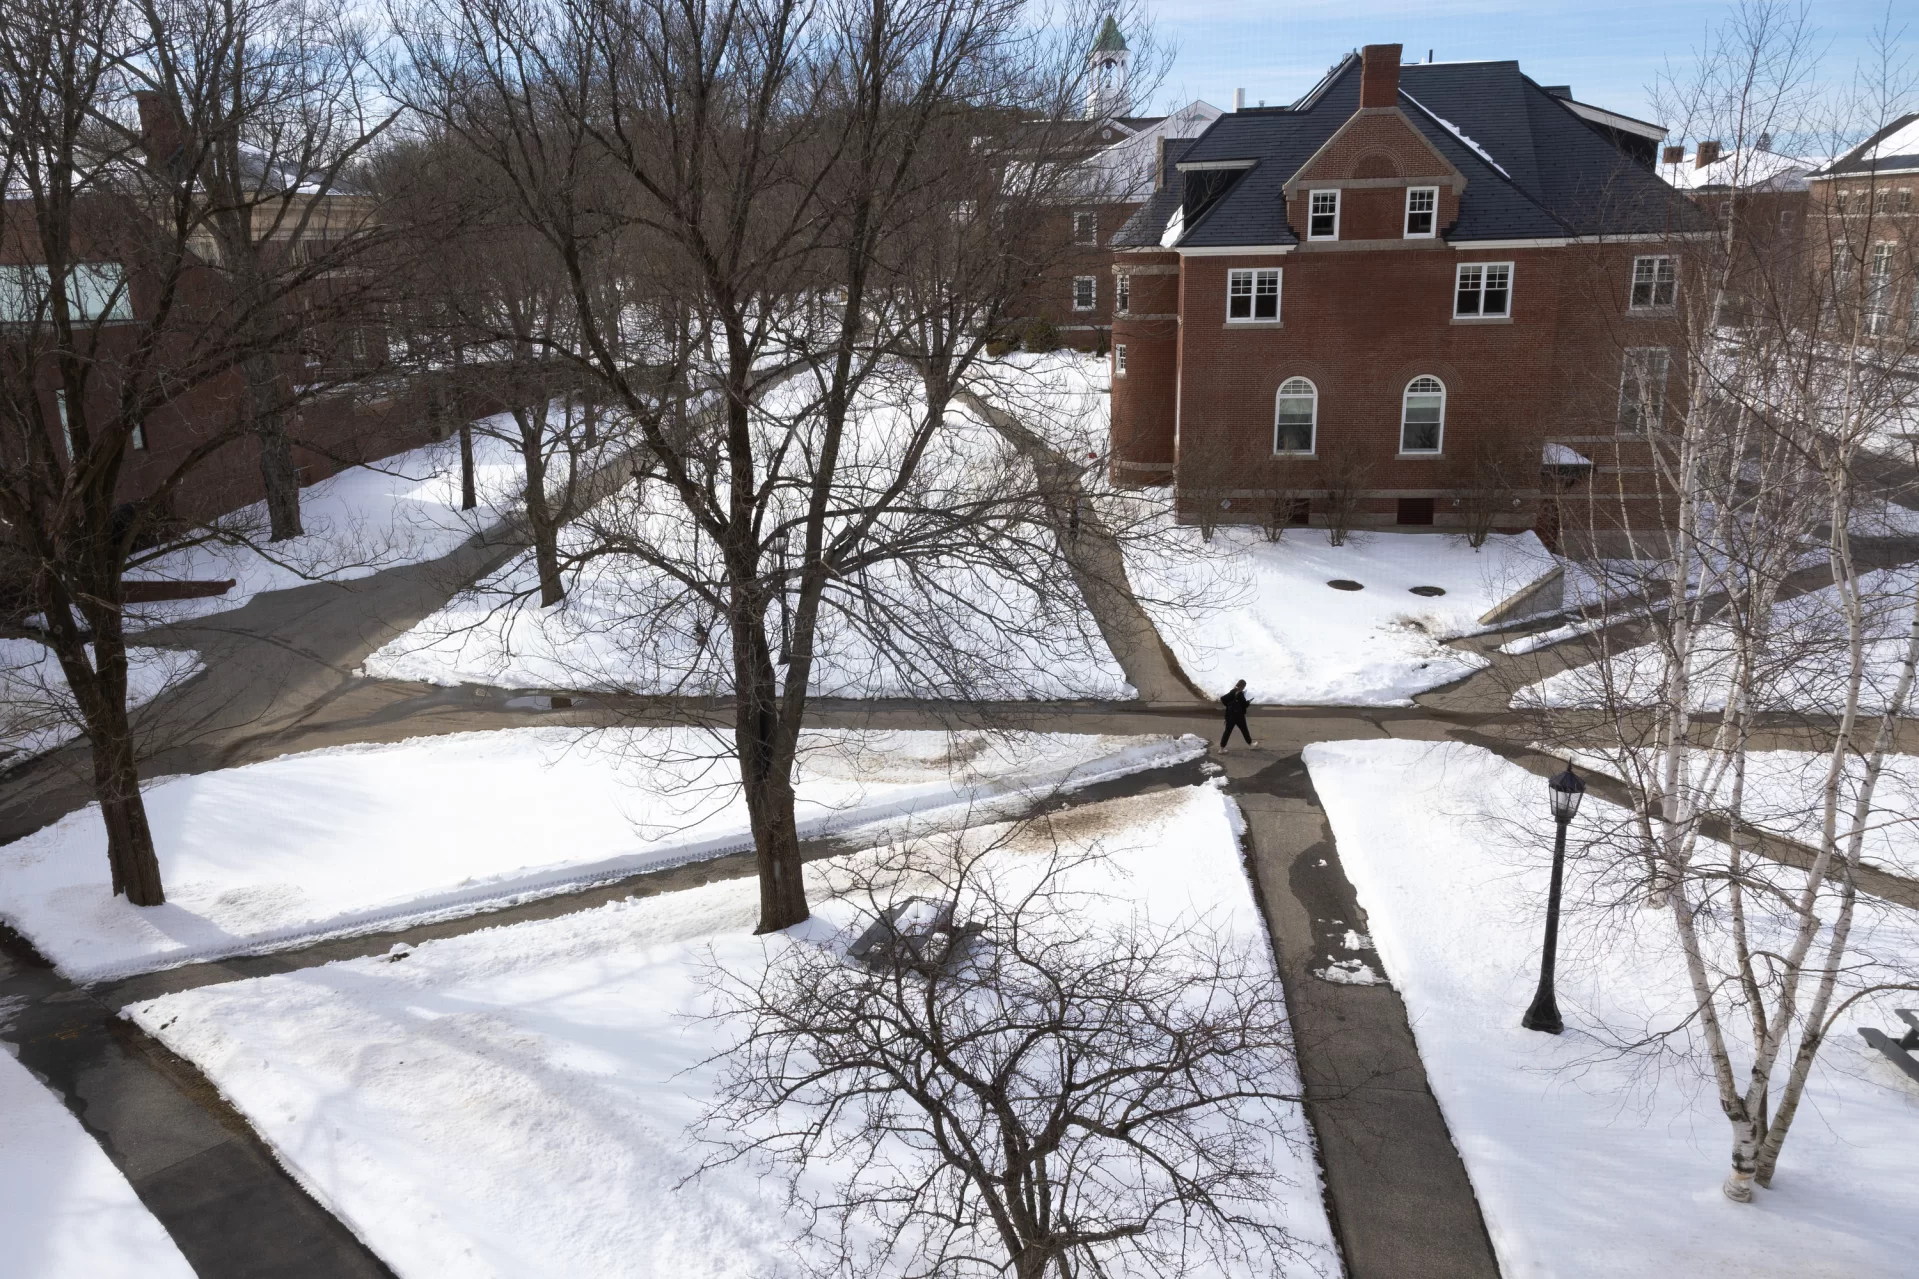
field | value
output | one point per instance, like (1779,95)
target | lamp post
(1565,792)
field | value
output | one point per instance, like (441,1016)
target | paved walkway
(280,678)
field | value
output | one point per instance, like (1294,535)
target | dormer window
(1422,212)
(1322,216)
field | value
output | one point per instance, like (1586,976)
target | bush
(1040,337)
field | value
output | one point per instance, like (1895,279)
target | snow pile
(1270,618)
(514,1102)
(1804,667)
(402,510)
(361,838)
(37,710)
(65,1210)
(1588,1160)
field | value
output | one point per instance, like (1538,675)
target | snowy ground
(65,1210)
(1805,668)
(1587,1161)
(369,837)
(1272,620)
(37,711)
(1784,793)
(998,619)
(404,509)
(514,1102)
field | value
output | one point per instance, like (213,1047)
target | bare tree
(995,1086)
(119,322)
(1348,477)
(1747,441)
(736,193)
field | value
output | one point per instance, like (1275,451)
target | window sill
(1295,457)
(1255,324)
(1404,455)
(1482,319)
(1651,312)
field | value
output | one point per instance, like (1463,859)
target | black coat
(1235,703)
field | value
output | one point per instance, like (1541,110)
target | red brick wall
(1051,296)
(1145,397)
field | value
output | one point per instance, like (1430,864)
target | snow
(1554,453)
(365,838)
(1805,668)
(1784,793)
(1901,141)
(515,1102)
(37,709)
(65,1210)
(1273,621)
(1455,130)
(1588,1161)
(403,510)
(942,621)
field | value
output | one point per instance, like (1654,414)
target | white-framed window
(1085,227)
(1123,294)
(1905,200)
(1422,212)
(1879,290)
(1252,295)
(96,293)
(1882,201)
(1484,289)
(1642,389)
(1322,215)
(1422,415)
(1119,360)
(1655,282)
(1085,292)
(1296,416)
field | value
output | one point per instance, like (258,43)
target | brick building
(1116,159)
(1865,231)
(1416,290)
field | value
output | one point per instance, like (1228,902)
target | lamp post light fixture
(1565,792)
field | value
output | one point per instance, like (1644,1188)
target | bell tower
(1106,90)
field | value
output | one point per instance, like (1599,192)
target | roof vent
(1239,99)
(1558,90)
(1708,154)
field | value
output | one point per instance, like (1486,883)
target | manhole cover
(1346,584)
(1429,591)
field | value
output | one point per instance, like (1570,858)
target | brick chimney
(1379,75)
(160,134)
(1708,153)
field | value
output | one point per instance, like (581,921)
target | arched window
(1296,417)
(1422,416)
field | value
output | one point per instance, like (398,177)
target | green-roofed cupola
(1106,92)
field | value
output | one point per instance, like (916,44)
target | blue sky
(1610,53)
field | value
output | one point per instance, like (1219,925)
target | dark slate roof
(1148,222)
(1533,168)
(1861,160)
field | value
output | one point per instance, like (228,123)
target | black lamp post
(1565,791)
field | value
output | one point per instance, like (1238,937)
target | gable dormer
(1371,181)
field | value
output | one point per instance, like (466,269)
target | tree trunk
(539,513)
(99,686)
(468,498)
(765,748)
(277,473)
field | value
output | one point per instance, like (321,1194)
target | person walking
(1236,703)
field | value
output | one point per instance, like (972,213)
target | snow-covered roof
(1747,169)
(1556,454)
(1893,149)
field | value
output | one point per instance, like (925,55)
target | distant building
(1868,219)
(1408,279)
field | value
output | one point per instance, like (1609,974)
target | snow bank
(364,838)
(65,1210)
(1586,1161)
(514,1102)
(1269,617)
(37,710)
